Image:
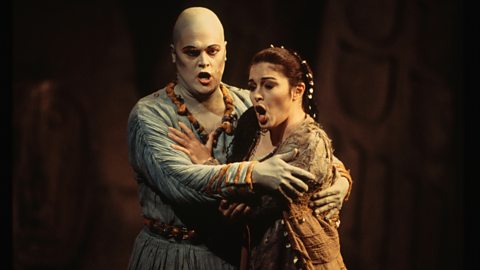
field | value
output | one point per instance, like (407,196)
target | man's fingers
(177,132)
(180,148)
(319,202)
(326,200)
(302,174)
(283,194)
(187,130)
(298,183)
(290,191)
(331,213)
(325,193)
(323,208)
(177,136)
(210,140)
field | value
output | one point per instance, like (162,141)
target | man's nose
(203,60)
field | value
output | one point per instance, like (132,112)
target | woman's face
(271,94)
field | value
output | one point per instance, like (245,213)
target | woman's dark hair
(297,70)
(245,137)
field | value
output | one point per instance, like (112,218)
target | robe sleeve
(171,172)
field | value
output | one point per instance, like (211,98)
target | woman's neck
(279,133)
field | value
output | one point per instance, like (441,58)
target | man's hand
(331,198)
(188,143)
(276,175)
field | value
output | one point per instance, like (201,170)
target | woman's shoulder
(316,130)
(310,131)
(309,138)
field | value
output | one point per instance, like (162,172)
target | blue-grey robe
(176,191)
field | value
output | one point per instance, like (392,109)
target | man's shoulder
(156,101)
(153,98)
(241,93)
(235,88)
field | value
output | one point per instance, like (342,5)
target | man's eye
(193,53)
(212,51)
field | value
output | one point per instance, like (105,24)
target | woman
(285,233)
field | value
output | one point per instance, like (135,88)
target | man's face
(199,55)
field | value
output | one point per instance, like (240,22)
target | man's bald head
(194,20)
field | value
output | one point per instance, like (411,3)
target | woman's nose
(256,96)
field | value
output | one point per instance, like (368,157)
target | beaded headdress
(307,78)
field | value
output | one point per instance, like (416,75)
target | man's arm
(334,196)
(175,177)
(171,172)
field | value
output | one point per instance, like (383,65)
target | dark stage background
(390,79)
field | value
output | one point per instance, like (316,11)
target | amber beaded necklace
(229,114)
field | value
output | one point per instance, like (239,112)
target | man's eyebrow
(193,47)
(189,47)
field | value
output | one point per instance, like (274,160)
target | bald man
(183,228)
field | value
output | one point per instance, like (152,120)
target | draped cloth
(175,191)
(289,235)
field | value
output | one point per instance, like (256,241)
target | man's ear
(174,55)
(225,50)
(298,91)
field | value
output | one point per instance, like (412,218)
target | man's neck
(199,104)
(208,110)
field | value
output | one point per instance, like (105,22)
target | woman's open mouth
(261,114)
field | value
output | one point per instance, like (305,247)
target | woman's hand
(188,143)
(234,211)
(330,199)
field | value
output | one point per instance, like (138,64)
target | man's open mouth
(204,77)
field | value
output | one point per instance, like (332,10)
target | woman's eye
(251,87)
(268,86)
